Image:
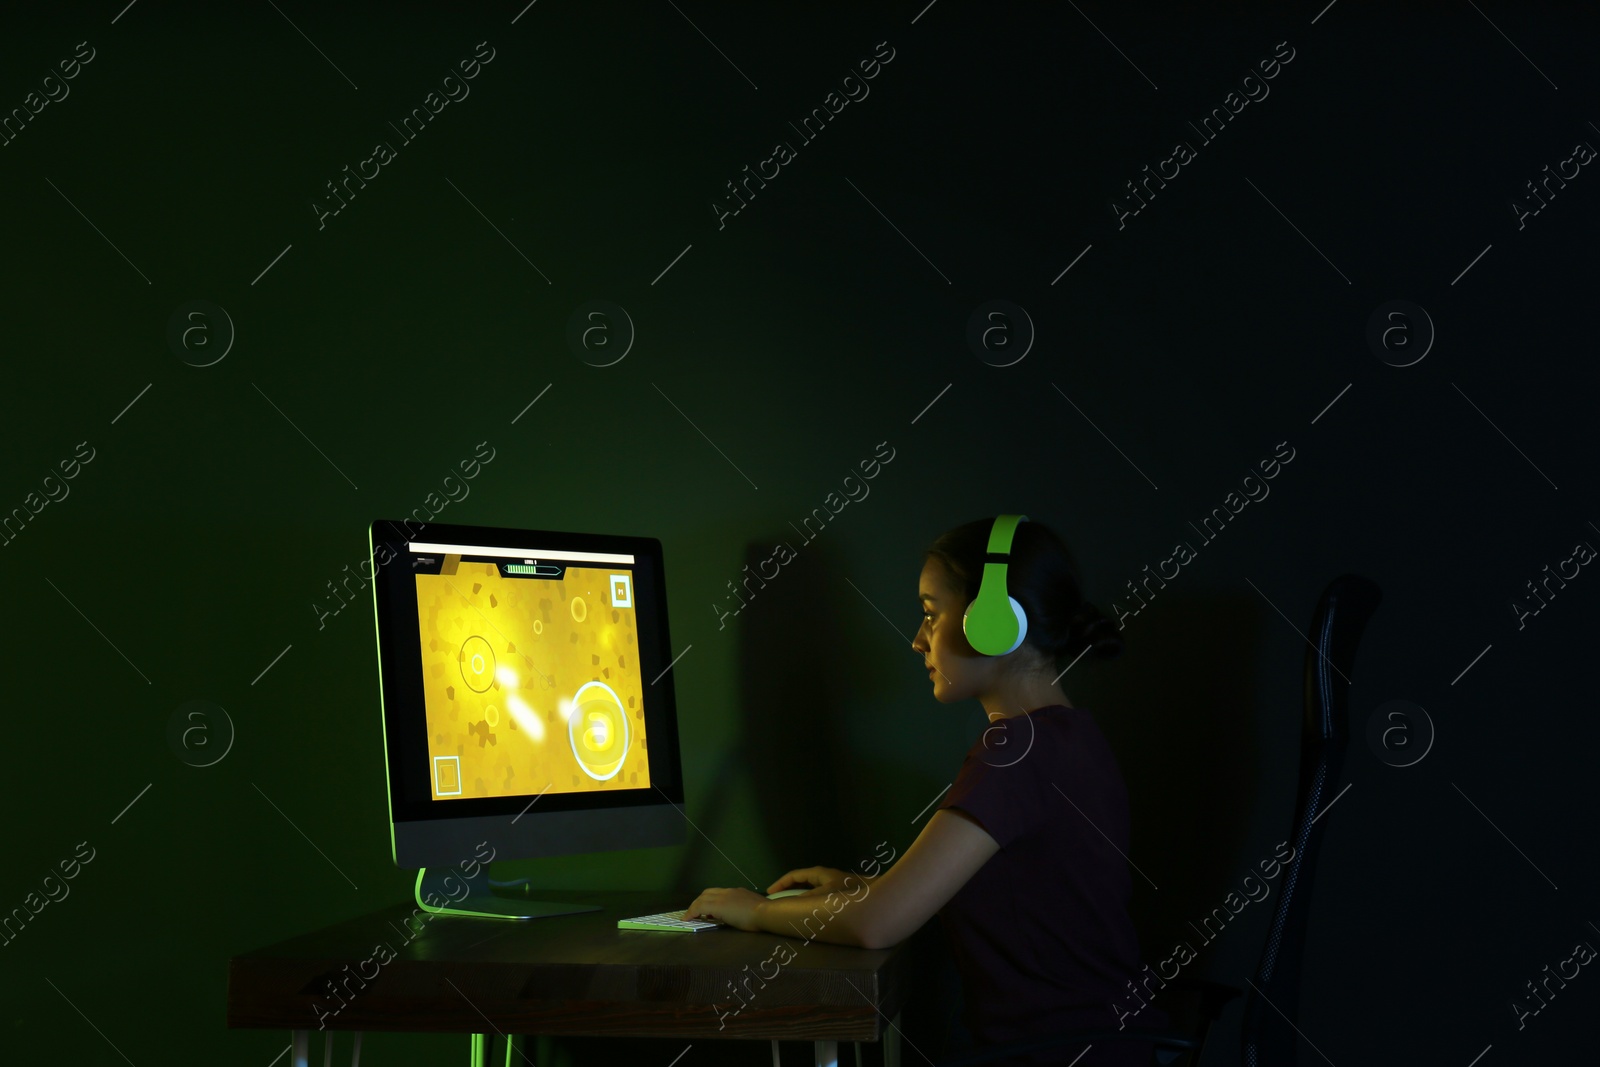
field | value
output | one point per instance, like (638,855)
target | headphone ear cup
(978,623)
(1022,625)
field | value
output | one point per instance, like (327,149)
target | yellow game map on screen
(530,684)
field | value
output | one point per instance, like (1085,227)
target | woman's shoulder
(1076,738)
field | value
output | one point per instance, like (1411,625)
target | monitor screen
(495,634)
(523,673)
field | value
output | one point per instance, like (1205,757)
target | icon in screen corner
(447,775)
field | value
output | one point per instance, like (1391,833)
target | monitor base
(479,901)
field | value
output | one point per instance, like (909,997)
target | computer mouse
(786,893)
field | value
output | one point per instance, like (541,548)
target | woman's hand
(823,880)
(736,907)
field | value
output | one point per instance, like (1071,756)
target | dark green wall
(775,353)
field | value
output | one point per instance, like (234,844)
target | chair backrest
(1268,1033)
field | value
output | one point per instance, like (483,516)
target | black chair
(1268,1034)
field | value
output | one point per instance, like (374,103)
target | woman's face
(957,671)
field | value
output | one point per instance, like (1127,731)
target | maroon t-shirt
(1041,933)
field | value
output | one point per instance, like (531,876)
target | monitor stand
(480,900)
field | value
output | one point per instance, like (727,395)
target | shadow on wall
(798,672)
(1178,708)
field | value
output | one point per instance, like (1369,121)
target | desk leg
(300,1055)
(827,1053)
(891,1042)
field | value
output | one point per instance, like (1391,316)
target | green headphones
(995,623)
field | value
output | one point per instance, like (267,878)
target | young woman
(1025,860)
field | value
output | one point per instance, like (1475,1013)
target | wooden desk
(569,974)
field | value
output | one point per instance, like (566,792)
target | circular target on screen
(477,664)
(598,730)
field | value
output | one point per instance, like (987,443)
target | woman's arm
(832,917)
(882,911)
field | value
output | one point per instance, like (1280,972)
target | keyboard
(666,920)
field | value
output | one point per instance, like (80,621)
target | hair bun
(1090,627)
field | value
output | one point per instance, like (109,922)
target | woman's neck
(1022,698)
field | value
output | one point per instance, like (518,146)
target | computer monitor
(528,705)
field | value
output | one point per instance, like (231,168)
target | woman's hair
(1043,576)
